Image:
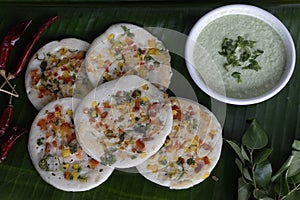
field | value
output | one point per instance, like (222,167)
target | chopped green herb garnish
(240,53)
(122,137)
(79,169)
(147,58)
(136,93)
(43,164)
(73,147)
(43,65)
(156,63)
(40,141)
(140,51)
(190,161)
(108,158)
(109,133)
(237,75)
(245,55)
(252,65)
(127,32)
(256,53)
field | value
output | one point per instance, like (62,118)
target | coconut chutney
(210,64)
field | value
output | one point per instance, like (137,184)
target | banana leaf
(279,116)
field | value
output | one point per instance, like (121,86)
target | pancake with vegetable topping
(127,49)
(56,153)
(190,151)
(123,122)
(56,71)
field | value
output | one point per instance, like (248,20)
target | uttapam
(127,49)
(123,122)
(56,154)
(190,151)
(57,70)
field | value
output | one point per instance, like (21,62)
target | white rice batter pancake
(126,49)
(123,122)
(56,153)
(191,150)
(57,70)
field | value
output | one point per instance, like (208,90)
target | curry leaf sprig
(257,179)
(240,53)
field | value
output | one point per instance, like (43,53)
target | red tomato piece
(140,144)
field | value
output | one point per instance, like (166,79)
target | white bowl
(250,11)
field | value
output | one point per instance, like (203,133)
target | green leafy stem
(257,178)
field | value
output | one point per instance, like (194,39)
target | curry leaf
(296,145)
(244,153)
(239,164)
(255,137)
(260,194)
(294,179)
(293,195)
(262,174)
(283,168)
(281,186)
(244,191)
(294,168)
(237,76)
(236,149)
(246,174)
(296,154)
(261,155)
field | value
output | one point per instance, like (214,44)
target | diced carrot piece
(66,128)
(140,144)
(67,175)
(133,150)
(106,105)
(103,115)
(54,143)
(48,134)
(51,116)
(78,154)
(182,160)
(58,108)
(71,137)
(42,123)
(35,77)
(136,105)
(98,111)
(93,163)
(69,79)
(206,160)
(177,114)
(47,147)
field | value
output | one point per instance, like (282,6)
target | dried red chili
(9,139)
(9,42)
(26,53)
(6,119)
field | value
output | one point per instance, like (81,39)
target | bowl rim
(253,11)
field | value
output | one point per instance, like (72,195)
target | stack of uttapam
(103,106)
